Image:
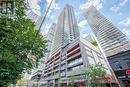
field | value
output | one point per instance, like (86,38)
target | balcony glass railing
(75,62)
(74,56)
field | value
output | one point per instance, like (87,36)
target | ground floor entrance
(83,84)
(126,83)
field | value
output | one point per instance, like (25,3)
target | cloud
(82,24)
(96,3)
(115,8)
(57,7)
(126,31)
(34,6)
(76,13)
(48,1)
(84,35)
(125,22)
(52,4)
(79,13)
(123,2)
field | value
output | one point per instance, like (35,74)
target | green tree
(95,71)
(20,49)
(72,79)
(22,82)
(58,82)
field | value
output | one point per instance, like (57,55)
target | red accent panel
(71,54)
(57,58)
(74,58)
(56,66)
(50,60)
(57,54)
(47,61)
(76,46)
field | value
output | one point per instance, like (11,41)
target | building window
(6,6)
(118,65)
(127,61)
(76,67)
(76,61)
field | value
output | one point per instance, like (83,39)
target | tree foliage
(72,79)
(22,82)
(94,43)
(17,51)
(94,71)
(58,81)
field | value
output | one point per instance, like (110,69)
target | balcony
(76,72)
(63,62)
(56,67)
(71,49)
(56,62)
(63,67)
(73,52)
(75,62)
(73,57)
(63,74)
(63,57)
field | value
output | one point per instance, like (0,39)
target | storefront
(123,77)
(81,82)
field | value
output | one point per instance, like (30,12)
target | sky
(117,11)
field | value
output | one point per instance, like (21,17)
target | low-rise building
(73,60)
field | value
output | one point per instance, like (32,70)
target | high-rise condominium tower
(50,38)
(107,34)
(67,28)
(35,18)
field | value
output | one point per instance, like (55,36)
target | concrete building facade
(70,54)
(73,60)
